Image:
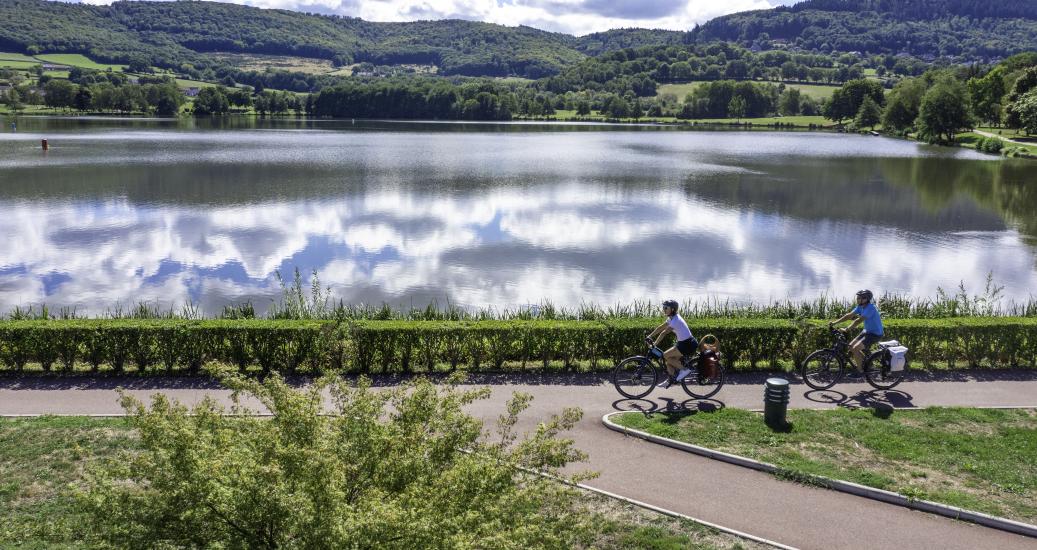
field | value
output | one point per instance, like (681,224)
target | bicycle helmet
(672,304)
(866,294)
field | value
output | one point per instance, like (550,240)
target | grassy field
(970,140)
(679,90)
(17,65)
(1009,133)
(979,459)
(11,56)
(815,91)
(799,121)
(184,83)
(40,458)
(794,120)
(78,60)
(260,62)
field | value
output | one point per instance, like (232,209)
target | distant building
(54,67)
(191,92)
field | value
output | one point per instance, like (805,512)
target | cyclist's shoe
(682,373)
(666,383)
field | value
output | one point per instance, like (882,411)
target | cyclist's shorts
(688,347)
(869,339)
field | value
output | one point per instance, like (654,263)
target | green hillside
(964,28)
(184,36)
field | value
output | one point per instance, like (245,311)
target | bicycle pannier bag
(708,360)
(708,364)
(897,358)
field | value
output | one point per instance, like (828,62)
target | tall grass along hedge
(421,346)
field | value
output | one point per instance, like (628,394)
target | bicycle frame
(841,348)
(687,361)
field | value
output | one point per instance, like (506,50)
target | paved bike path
(753,502)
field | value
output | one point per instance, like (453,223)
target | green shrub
(992,145)
(402,468)
(422,346)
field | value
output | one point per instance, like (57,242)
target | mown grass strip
(977,459)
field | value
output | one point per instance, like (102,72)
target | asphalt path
(753,502)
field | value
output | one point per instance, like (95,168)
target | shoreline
(774,124)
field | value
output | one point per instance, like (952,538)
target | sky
(577,17)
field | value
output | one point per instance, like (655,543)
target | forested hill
(174,34)
(168,34)
(966,28)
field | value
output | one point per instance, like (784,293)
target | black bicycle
(826,367)
(636,377)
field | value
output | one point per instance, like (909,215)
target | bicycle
(636,377)
(824,368)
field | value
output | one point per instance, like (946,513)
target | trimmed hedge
(416,346)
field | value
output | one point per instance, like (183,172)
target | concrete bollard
(776,403)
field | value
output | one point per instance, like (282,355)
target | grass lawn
(1009,133)
(182,83)
(970,139)
(261,62)
(679,90)
(11,56)
(816,91)
(794,120)
(78,60)
(17,64)
(979,459)
(41,457)
(38,459)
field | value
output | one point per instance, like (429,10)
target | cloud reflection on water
(486,219)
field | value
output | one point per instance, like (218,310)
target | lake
(120,211)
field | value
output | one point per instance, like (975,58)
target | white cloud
(570,16)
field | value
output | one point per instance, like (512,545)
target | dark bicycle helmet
(670,304)
(866,294)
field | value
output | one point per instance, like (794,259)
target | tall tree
(789,103)
(1026,82)
(211,101)
(902,105)
(846,101)
(944,111)
(1026,109)
(60,93)
(868,115)
(987,93)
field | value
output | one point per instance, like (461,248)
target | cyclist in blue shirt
(867,312)
(685,347)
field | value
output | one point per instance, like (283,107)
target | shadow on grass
(782,427)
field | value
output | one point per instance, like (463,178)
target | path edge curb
(889,497)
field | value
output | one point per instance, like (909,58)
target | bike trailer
(897,355)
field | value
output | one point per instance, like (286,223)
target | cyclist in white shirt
(686,343)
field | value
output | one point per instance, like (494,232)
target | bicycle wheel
(701,387)
(877,373)
(821,369)
(634,377)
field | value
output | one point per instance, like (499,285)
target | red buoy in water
(43,143)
